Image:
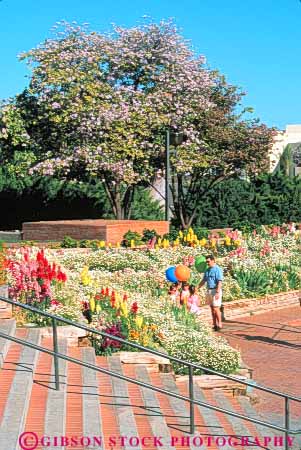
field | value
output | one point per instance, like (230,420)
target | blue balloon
(170,274)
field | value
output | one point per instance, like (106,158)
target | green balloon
(199,259)
(200,264)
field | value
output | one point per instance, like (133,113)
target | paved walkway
(270,343)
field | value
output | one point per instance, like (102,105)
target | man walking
(214,277)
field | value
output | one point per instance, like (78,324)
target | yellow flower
(139,321)
(180,234)
(203,242)
(124,309)
(176,242)
(132,243)
(190,230)
(227,241)
(92,304)
(98,308)
(118,245)
(237,242)
(165,243)
(145,341)
(85,277)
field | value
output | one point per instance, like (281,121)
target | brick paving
(270,343)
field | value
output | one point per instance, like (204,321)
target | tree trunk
(183,211)
(118,202)
(127,202)
(114,199)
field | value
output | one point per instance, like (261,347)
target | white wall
(291,135)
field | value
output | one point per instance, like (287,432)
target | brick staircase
(91,403)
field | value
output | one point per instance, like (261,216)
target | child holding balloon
(193,303)
(178,275)
(185,294)
(174,294)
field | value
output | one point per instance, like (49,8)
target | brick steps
(91,403)
(91,412)
(8,327)
(19,395)
(35,419)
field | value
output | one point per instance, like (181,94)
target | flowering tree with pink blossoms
(98,106)
(111,97)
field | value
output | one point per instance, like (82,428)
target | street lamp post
(167,176)
(174,139)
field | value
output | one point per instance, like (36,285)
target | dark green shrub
(131,236)
(201,232)
(69,242)
(172,235)
(149,234)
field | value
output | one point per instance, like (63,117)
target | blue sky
(255,43)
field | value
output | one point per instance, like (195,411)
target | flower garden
(122,289)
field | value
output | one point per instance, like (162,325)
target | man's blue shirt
(212,276)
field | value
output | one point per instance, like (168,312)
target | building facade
(290,136)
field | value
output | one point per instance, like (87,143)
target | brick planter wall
(250,306)
(106,230)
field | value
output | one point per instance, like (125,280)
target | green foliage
(266,199)
(252,283)
(201,232)
(69,242)
(172,235)
(32,198)
(255,283)
(286,164)
(182,315)
(149,234)
(145,207)
(131,236)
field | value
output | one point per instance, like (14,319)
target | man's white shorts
(211,298)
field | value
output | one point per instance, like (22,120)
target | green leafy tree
(230,147)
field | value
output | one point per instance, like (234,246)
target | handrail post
(55,357)
(191,397)
(287,421)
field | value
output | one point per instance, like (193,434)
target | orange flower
(134,335)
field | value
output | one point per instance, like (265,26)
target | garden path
(270,343)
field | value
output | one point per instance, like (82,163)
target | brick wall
(249,306)
(107,230)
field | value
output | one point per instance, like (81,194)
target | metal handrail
(149,350)
(190,365)
(142,384)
